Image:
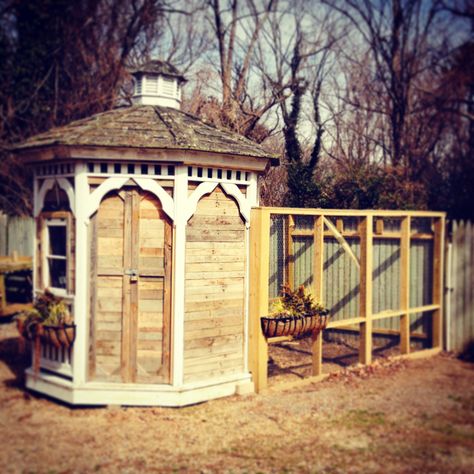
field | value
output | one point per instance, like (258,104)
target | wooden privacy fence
(460,286)
(375,270)
(16,235)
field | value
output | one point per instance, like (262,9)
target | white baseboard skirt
(95,393)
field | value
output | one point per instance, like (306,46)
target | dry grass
(396,417)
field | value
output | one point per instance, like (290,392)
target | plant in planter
(295,313)
(49,322)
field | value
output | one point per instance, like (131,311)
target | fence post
(318,261)
(366,228)
(438,274)
(289,253)
(405,285)
(258,304)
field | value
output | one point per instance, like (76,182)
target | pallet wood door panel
(154,302)
(130,289)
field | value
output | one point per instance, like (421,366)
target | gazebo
(142,217)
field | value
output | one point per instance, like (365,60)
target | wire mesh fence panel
(277,255)
(341,279)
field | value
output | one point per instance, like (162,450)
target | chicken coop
(142,226)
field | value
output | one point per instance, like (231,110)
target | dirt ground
(394,417)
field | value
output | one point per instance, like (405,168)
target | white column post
(179,267)
(80,351)
(35,247)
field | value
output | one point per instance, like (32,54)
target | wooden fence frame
(260,268)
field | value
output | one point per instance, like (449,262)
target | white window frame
(49,222)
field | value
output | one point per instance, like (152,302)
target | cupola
(158,83)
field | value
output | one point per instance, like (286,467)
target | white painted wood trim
(62,368)
(167,203)
(66,185)
(95,198)
(244,205)
(253,191)
(152,395)
(47,185)
(81,299)
(35,247)
(179,274)
(192,202)
(147,184)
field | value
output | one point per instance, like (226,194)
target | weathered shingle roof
(146,126)
(159,67)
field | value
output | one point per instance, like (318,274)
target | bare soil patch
(396,416)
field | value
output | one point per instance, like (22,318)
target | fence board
(16,235)
(461,330)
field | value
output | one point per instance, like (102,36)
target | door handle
(132,273)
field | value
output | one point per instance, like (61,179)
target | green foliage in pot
(299,302)
(48,310)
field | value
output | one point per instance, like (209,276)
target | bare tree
(237,28)
(400,39)
(298,47)
(63,60)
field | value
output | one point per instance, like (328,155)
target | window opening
(56,254)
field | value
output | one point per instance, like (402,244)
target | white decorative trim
(252,190)
(95,198)
(81,299)
(179,266)
(153,187)
(66,185)
(193,200)
(39,201)
(136,394)
(147,184)
(47,185)
(243,202)
(35,247)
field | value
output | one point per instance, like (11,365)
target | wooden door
(131,242)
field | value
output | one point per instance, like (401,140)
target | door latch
(132,273)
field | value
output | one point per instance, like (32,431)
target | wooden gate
(131,245)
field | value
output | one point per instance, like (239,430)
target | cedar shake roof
(159,67)
(150,127)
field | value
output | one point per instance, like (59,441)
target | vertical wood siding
(215,290)
(16,234)
(461,296)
